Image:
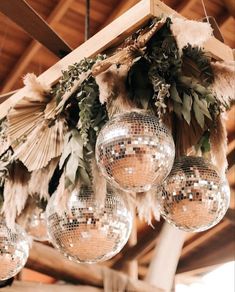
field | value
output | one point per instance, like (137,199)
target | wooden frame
(112,35)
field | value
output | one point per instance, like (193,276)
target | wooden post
(39,287)
(131,267)
(166,256)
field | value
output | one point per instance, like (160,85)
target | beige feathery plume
(147,206)
(218,141)
(224,81)
(33,85)
(61,196)
(190,32)
(99,183)
(15,193)
(35,134)
(186,136)
(111,73)
(39,181)
(113,89)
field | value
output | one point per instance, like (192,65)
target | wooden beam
(130,268)
(19,286)
(165,259)
(34,47)
(30,21)
(5,96)
(47,260)
(113,34)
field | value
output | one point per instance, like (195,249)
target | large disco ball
(14,250)
(134,151)
(89,232)
(193,197)
(36,225)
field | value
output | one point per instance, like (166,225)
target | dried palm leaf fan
(35,134)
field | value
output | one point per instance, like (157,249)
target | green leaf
(187,106)
(198,114)
(84,176)
(202,105)
(204,143)
(71,168)
(210,98)
(77,144)
(174,93)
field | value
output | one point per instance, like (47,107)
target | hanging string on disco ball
(134,151)
(89,232)
(36,225)
(193,197)
(14,250)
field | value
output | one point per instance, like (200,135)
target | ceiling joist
(28,19)
(47,260)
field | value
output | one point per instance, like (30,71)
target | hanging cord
(204,8)
(87,20)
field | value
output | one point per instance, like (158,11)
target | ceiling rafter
(31,22)
(33,47)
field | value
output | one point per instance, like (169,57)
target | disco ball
(89,232)
(36,225)
(14,250)
(134,151)
(193,197)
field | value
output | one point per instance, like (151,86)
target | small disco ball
(135,151)
(89,232)
(14,250)
(193,197)
(36,225)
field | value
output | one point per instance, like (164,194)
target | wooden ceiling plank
(112,34)
(31,22)
(95,14)
(184,6)
(230,5)
(202,238)
(33,47)
(49,261)
(122,7)
(217,250)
